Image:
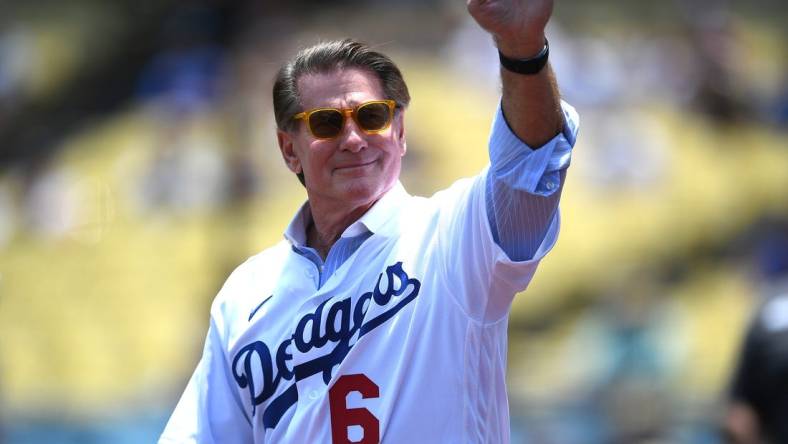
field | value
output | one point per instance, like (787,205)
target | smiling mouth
(354,166)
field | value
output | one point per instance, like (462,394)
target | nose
(352,137)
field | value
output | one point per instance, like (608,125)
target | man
(382,317)
(758,397)
(757,410)
(759,405)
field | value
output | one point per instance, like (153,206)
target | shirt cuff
(526,168)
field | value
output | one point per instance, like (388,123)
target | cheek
(317,157)
(394,163)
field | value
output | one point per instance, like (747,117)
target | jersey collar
(372,221)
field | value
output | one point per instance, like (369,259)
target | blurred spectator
(182,83)
(715,44)
(16,64)
(7,219)
(591,69)
(184,77)
(244,180)
(758,408)
(634,396)
(778,111)
(52,201)
(759,395)
(188,170)
(622,138)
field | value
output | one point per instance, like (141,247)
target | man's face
(354,169)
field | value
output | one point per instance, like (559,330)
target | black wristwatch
(526,66)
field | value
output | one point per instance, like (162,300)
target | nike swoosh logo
(251,315)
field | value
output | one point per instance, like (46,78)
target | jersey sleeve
(490,254)
(210,411)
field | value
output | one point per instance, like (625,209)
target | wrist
(523,47)
(528,65)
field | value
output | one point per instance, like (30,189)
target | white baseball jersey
(404,343)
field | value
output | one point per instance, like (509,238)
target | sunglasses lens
(373,116)
(326,123)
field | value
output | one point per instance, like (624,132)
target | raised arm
(530,102)
(532,135)
(530,146)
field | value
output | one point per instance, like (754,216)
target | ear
(288,152)
(400,131)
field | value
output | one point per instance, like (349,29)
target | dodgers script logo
(260,372)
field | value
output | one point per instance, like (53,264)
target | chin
(363,192)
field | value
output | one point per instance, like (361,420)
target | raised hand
(516,25)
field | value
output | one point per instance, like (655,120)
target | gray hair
(325,57)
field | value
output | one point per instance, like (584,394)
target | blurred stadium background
(138,166)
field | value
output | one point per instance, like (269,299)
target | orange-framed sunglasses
(371,117)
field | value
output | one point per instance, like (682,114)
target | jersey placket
(313,388)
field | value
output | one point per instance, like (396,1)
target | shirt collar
(372,221)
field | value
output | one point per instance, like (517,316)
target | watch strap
(526,66)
